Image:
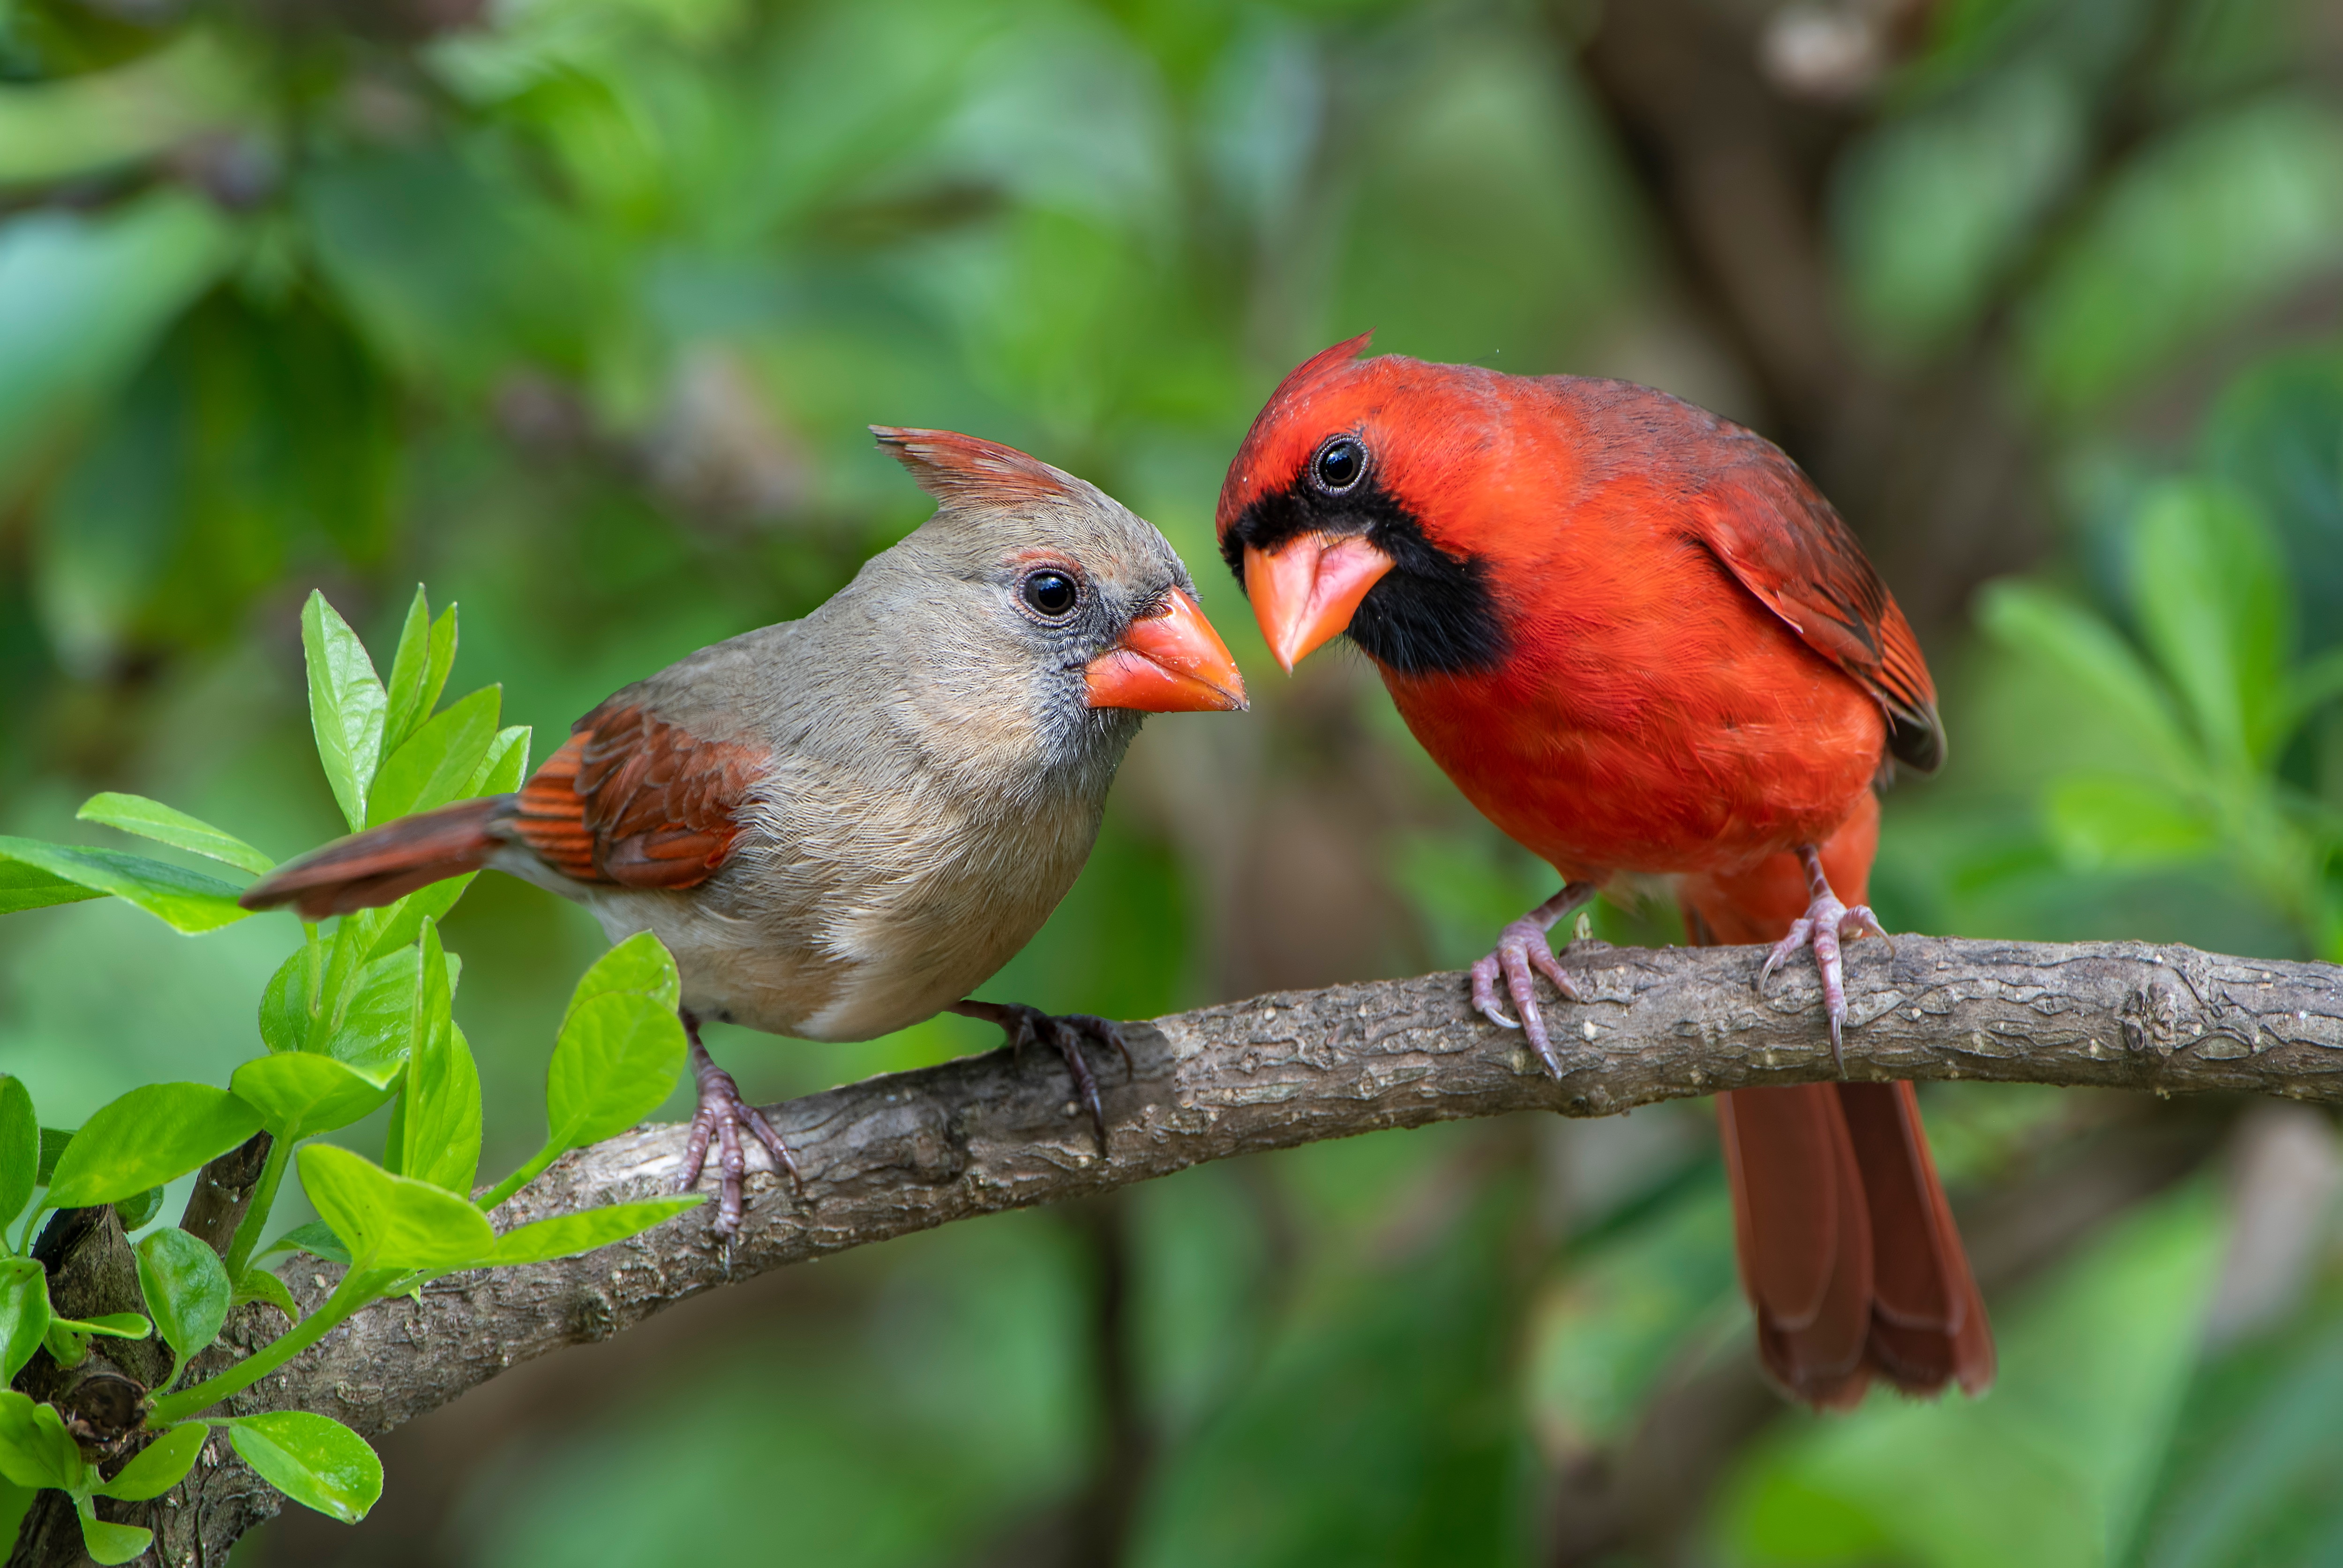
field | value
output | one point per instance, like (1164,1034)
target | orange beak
(1305,590)
(1169,662)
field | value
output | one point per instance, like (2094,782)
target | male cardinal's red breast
(1639,641)
(841,825)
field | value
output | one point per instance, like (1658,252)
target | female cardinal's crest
(968,470)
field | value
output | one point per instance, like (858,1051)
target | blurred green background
(575,309)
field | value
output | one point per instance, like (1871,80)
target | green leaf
(153,819)
(108,1543)
(33,1447)
(426,652)
(156,1133)
(15,1502)
(2211,605)
(316,1237)
(2104,820)
(20,1151)
(260,1285)
(160,1466)
(346,706)
(565,1235)
(23,1313)
(187,1290)
(53,1144)
(65,1347)
(23,886)
(138,1209)
(392,1222)
(185,900)
(311,1459)
(377,1028)
(440,1121)
(112,1325)
(617,1057)
(288,1004)
(2051,627)
(436,763)
(300,1093)
(402,922)
(504,767)
(639,965)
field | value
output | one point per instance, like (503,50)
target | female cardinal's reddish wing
(633,800)
(1774,531)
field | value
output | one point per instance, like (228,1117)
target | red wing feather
(1775,532)
(632,799)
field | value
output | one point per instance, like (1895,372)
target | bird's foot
(1522,955)
(1825,924)
(1065,1030)
(720,1119)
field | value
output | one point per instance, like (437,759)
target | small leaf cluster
(2211,696)
(355,1018)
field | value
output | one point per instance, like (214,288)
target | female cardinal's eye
(1052,593)
(1340,463)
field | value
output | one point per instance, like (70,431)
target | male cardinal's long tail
(373,867)
(1848,1251)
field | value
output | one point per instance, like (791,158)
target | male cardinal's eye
(1340,463)
(1052,593)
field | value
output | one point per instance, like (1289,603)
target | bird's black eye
(1339,463)
(1050,593)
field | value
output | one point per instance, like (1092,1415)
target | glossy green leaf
(55,1141)
(66,1347)
(402,922)
(311,1459)
(639,965)
(140,1208)
(185,900)
(186,1287)
(260,1285)
(299,1094)
(346,706)
(23,886)
(439,1122)
(318,1238)
(109,1542)
(617,1057)
(506,764)
(392,1222)
(20,1151)
(565,1235)
(33,1447)
(156,1133)
(160,1466)
(23,1313)
(438,761)
(110,1325)
(426,652)
(376,1027)
(15,1502)
(288,1004)
(153,819)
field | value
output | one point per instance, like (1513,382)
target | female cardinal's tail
(1848,1251)
(373,867)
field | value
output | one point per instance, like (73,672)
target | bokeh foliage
(577,309)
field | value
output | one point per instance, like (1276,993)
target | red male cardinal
(1639,640)
(841,825)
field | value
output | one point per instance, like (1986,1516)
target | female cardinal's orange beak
(1304,591)
(1169,662)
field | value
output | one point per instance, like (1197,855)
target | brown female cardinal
(841,825)
(1638,638)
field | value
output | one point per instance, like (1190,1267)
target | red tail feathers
(1848,1251)
(373,867)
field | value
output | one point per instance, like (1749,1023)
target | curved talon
(1064,1031)
(1822,929)
(1520,957)
(721,1114)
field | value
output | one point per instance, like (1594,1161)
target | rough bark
(917,1150)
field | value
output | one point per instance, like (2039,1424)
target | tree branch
(913,1150)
